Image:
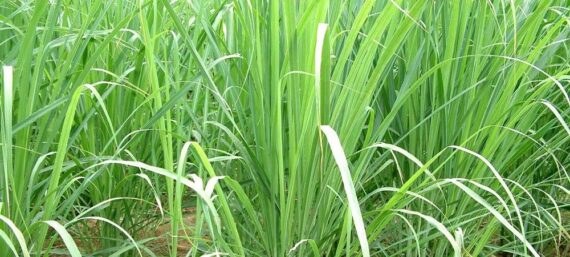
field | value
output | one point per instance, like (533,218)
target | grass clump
(285,128)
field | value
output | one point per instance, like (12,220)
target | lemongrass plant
(285,128)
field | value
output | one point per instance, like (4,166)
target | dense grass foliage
(285,128)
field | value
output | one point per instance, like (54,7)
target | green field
(274,128)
